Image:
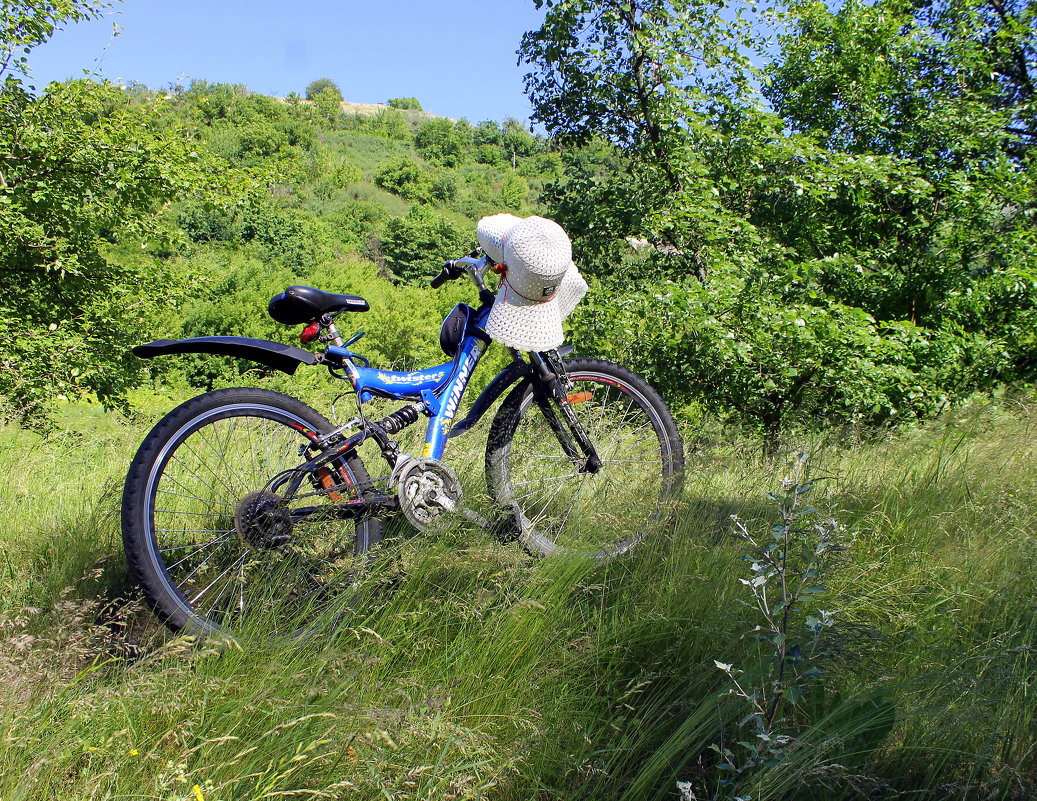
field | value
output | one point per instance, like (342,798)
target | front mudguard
(514,372)
(277,355)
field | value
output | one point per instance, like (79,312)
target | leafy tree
(441,142)
(513,191)
(406,178)
(82,166)
(958,76)
(415,246)
(517,141)
(411,103)
(287,236)
(329,107)
(389,123)
(321,86)
(788,277)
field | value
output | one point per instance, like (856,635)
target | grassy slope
(486,674)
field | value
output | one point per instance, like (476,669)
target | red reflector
(579,397)
(309,333)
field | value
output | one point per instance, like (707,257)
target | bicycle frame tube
(440,388)
(444,403)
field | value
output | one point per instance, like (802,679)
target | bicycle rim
(228,549)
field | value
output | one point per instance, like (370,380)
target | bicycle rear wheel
(211,546)
(553,504)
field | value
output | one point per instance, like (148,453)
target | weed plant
(466,669)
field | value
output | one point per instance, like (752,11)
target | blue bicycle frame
(440,388)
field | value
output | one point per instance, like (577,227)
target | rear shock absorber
(401,418)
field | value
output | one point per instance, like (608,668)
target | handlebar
(474,265)
(448,273)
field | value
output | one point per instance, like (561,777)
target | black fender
(514,372)
(285,358)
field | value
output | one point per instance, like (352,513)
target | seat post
(333,335)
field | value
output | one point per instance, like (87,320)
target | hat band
(531,300)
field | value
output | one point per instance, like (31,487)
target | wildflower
(134,752)
(198,795)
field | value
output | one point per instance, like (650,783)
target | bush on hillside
(406,178)
(405,103)
(441,142)
(322,85)
(415,246)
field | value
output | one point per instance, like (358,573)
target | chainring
(428,492)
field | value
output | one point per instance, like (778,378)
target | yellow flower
(91,748)
(198,796)
(134,752)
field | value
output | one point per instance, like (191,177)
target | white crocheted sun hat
(540,287)
(490,232)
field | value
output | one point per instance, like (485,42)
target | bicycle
(246,501)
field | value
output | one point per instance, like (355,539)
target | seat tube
(446,401)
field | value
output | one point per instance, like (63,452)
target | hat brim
(520,323)
(571,291)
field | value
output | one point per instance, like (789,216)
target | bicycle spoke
(207,545)
(234,564)
(596,511)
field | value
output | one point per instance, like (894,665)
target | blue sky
(456,56)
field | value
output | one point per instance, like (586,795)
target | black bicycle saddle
(304,304)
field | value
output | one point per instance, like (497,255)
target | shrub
(440,142)
(322,85)
(287,236)
(406,178)
(415,245)
(388,123)
(513,190)
(405,103)
(206,222)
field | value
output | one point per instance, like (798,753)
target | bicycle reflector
(309,333)
(579,397)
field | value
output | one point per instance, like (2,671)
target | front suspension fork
(549,385)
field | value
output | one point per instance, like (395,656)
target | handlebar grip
(449,272)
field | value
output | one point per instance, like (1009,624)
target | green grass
(474,671)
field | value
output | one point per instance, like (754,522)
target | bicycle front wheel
(553,503)
(213,548)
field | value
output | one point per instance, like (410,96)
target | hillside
(350,197)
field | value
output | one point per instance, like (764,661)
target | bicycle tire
(633,492)
(210,551)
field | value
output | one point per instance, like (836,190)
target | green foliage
(391,124)
(956,76)
(841,275)
(82,167)
(416,246)
(324,87)
(328,172)
(405,103)
(287,236)
(206,222)
(442,142)
(406,178)
(787,567)
(513,191)
(24,24)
